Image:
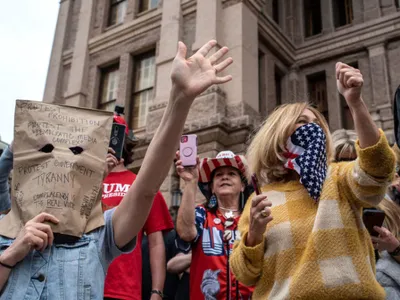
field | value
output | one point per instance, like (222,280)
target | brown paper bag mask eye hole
(76,150)
(48,148)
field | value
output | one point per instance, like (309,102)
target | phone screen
(117,139)
(371,218)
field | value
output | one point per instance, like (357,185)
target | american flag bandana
(306,154)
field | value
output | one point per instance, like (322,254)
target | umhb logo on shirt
(114,190)
(113,194)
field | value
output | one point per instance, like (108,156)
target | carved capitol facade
(109,52)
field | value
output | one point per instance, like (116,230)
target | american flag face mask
(306,154)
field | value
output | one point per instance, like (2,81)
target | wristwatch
(158,292)
(395,252)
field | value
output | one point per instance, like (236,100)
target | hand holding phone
(254,182)
(371,218)
(188,150)
(117,139)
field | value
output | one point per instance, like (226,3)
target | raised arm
(349,83)
(185,223)
(190,77)
(370,175)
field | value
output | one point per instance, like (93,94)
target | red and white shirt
(210,276)
(124,276)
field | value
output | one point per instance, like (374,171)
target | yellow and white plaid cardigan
(318,250)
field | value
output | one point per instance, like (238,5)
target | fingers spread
(207,47)
(182,49)
(224,79)
(217,55)
(222,66)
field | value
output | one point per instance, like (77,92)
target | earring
(241,200)
(213,201)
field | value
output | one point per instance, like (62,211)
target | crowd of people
(300,234)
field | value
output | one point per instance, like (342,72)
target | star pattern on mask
(312,162)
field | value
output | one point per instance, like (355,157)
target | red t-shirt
(124,276)
(210,275)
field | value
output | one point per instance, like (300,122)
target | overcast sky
(26,36)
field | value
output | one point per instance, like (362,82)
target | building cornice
(142,24)
(355,38)
(273,36)
(358,37)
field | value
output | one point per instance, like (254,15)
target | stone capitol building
(108,52)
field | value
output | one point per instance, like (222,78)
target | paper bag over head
(59,163)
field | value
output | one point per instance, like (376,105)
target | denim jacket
(62,271)
(6,165)
(65,271)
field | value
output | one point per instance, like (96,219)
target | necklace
(230,209)
(229,214)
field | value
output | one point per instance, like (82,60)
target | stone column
(131,10)
(125,81)
(294,86)
(270,84)
(388,7)
(51,91)
(358,11)
(169,38)
(208,22)
(333,98)
(372,10)
(76,93)
(293,20)
(240,32)
(327,16)
(380,84)
(379,74)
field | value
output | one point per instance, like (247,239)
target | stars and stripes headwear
(223,159)
(306,154)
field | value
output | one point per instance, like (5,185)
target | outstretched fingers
(207,47)
(219,80)
(223,65)
(182,50)
(217,55)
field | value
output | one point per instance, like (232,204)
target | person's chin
(225,191)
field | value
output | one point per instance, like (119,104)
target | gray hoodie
(388,275)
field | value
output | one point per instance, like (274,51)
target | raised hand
(349,82)
(260,216)
(187,173)
(111,162)
(194,75)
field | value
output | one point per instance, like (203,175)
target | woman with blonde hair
(303,236)
(344,145)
